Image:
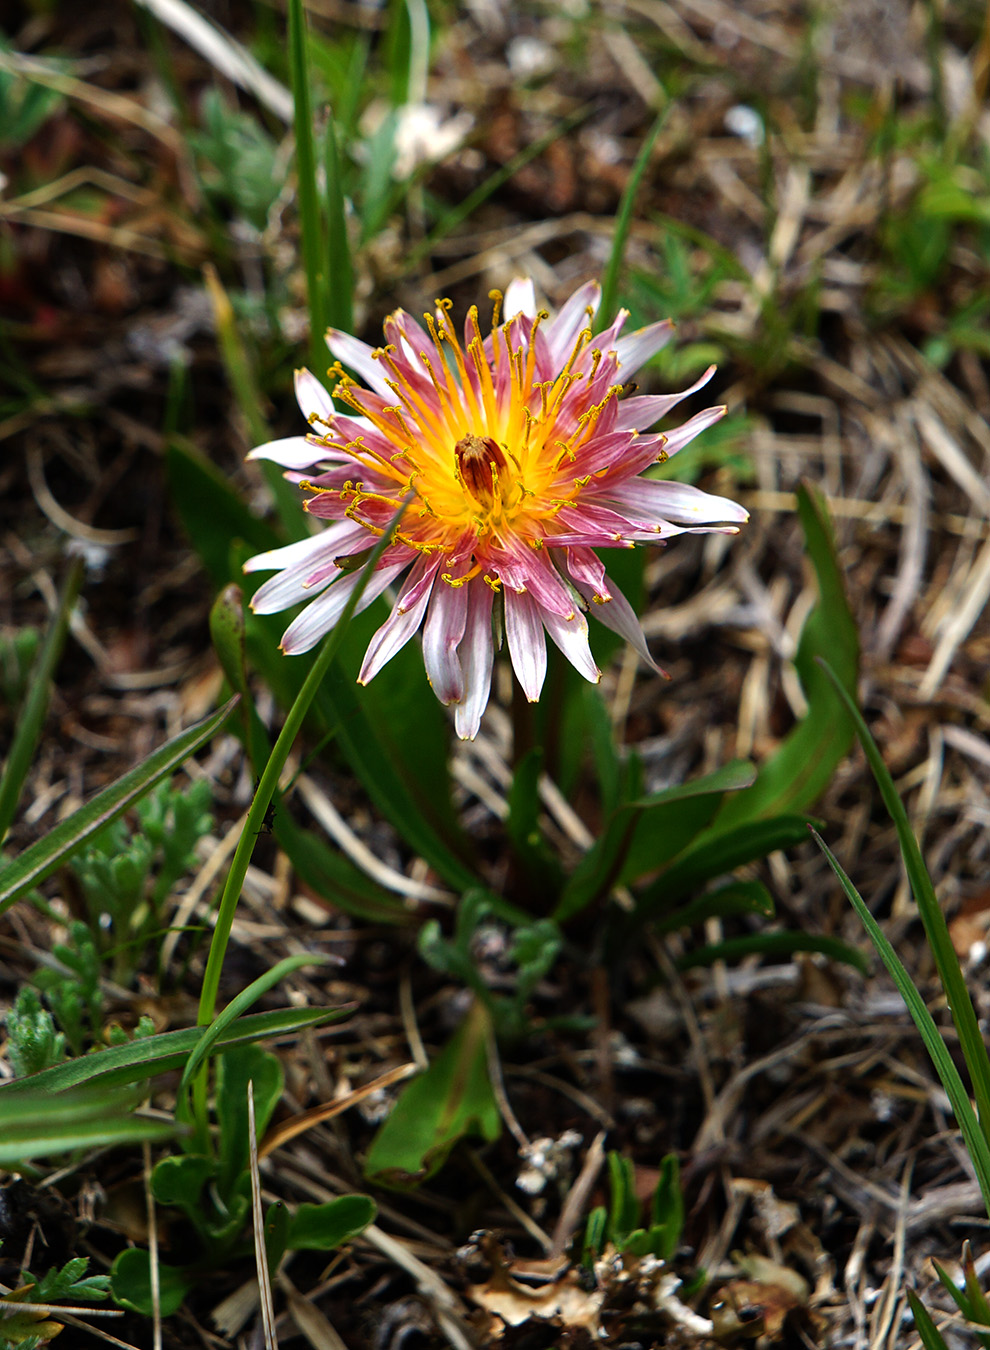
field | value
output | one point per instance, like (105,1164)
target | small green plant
(212,1192)
(127,874)
(237,159)
(25,1329)
(33,1044)
(620,1226)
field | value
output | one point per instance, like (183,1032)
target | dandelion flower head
(520,458)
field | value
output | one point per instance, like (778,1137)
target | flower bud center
(480,461)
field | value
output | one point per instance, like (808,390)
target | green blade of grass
(340,301)
(931,1337)
(36,703)
(311,224)
(162,1053)
(930,911)
(623,220)
(44,856)
(240,1004)
(976,1144)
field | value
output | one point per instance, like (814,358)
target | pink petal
(406,617)
(527,645)
(639,412)
(619,615)
(477,654)
(680,436)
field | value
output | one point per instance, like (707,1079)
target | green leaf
(803,766)
(453,1098)
(595,1236)
(950,973)
(775,944)
(975,1140)
(931,1337)
(239,1004)
(313,241)
(714,853)
(642,835)
(323,1228)
(736,897)
(668,1206)
(43,857)
(237,1067)
(130,1281)
(163,1053)
(33,1124)
(624,1209)
(178,1181)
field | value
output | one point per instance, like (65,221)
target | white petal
(443,632)
(294,452)
(311,395)
(527,644)
(358,356)
(520,298)
(328,540)
(679,503)
(571,636)
(477,652)
(635,349)
(562,330)
(319,617)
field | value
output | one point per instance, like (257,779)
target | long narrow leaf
(240,1004)
(163,1053)
(36,702)
(976,1144)
(936,929)
(624,218)
(311,223)
(44,856)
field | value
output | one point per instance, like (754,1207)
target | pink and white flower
(522,458)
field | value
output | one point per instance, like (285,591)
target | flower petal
(293,452)
(571,636)
(520,298)
(407,615)
(645,410)
(678,503)
(312,398)
(359,357)
(527,645)
(635,349)
(477,652)
(444,629)
(319,617)
(619,615)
